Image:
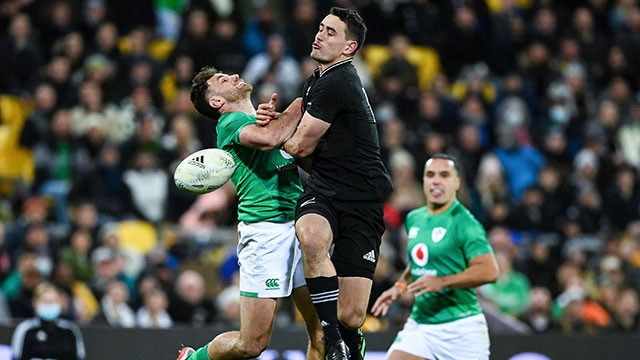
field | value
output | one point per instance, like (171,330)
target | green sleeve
(473,238)
(230,126)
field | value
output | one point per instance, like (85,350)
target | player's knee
(354,318)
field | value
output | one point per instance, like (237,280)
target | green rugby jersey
(267,182)
(441,245)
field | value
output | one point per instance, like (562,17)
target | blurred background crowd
(538,99)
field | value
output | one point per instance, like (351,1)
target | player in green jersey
(267,183)
(449,255)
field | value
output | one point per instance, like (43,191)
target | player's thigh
(256,318)
(269,258)
(353,300)
(412,342)
(464,339)
(401,355)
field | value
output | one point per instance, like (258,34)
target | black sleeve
(325,101)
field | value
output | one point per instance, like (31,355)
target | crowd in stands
(539,101)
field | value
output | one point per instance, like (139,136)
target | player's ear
(458,183)
(216,101)
(350,48)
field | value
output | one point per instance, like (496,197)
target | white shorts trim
(270,259)
(464,339)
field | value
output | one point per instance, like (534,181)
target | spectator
(77,255)
(57,159)
(196,41)
(538,314)
(114,307)
(303,27)
(627,317)
(20,54)
(190,304)
(93,114)
(621,200)
(511,291)
(46,336)
(5,258)
(154,312)
(274,66)
(19,287)
(36,127)
(629,138)
(148,185)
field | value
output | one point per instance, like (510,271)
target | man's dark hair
(450,158)
(356,29)
(199,90)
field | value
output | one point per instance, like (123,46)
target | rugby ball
(204,171)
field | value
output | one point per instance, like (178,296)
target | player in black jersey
(342,200)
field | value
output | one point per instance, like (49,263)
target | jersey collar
(318,74)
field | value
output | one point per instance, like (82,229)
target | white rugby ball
(204,171)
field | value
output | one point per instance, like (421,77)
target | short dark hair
(199,89)
(356,29)
(449,157)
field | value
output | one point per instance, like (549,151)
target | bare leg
(353,301)
(256,324)
(303,302)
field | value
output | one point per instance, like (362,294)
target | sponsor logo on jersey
(438,233)
(420,254)
(370,256)
(422,271)
(288,166)
(272,284)
(413,232)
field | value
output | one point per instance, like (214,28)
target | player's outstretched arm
(482,269)
(307,136)
(273,134)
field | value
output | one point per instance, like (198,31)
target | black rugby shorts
(357,228)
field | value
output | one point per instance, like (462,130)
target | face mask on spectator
(49,312)
(559,114)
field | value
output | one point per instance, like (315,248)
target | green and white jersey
(267,182)
(441,245)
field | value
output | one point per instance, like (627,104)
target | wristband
(401,285)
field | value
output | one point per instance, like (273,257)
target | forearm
(474,275)
(272,135)
(406,275)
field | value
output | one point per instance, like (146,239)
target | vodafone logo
(420,254)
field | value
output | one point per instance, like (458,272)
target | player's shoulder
(416,213)
(461,213)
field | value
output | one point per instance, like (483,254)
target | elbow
(492,275)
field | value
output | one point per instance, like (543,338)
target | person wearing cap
(47,336)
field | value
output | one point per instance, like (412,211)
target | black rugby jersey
(347,164)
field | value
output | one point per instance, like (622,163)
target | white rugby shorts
(270,259)
(464,339)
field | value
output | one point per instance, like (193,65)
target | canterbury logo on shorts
(272,284)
